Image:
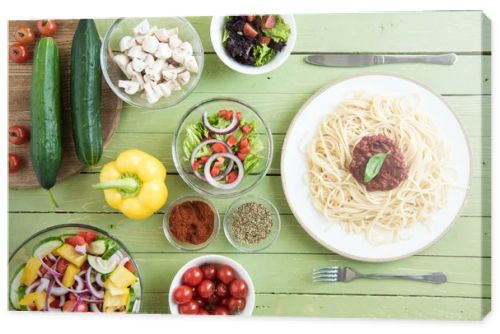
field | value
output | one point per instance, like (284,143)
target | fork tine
(321,271)
(326,269)
(327,280)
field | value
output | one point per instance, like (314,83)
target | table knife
(362,60)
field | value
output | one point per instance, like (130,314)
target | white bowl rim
(218,259)
(278,60)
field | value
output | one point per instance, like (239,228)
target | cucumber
(131,298)
(86,80)
(16,292)
(46,127)
(111,248)
(97,247)
(46,246)
(102,266)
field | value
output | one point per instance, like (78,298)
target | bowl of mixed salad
(222,147)
(253,44)
(74,268)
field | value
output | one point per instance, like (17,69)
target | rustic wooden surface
(19,107)
(282,273)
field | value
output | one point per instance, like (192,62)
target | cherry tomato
(183,294)
(226,274)
(25,36)
(209,271)
(203,312)
(75,240)
(89,236)
(19,53)
(200,302)
(61,266)
(46,27)
(190,307)
(224,302)
(194,292)
(129,266)
(18,134)
(193,276)
(220,310)
(15,163)
(221,290)
(238,288)
(55,302)
(236,305)
(206,288)
(69,306)
(213,299)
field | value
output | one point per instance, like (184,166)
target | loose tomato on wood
(47,27)
(183,294)
(193,276)
(25,36)
(18,134)
(19,53)
(15,163)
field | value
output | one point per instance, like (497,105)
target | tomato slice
(239,116)
(244,142)
(219,148)
(246,129)
(89,236)
(204,159)
(244,150)
(196,165)
(231,141)
(229,115)
(242,156)
(215,171)
(129,266)
(75,240)
(231,177)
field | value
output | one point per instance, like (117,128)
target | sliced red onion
(79,283)
(39,273)
(47,296)
(230,128)
(44,283)
(62,300)
(49,269)
(77,303)
(51,257)
(30,288)
(92,301)
(81,249)
(59,290)
(93,291)
(212,181)
(197,149)
(69,289)
(94,308)
(83,272)
(98,280)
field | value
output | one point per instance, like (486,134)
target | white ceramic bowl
(216,259)
(216,29)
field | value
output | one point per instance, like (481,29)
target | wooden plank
(341,306)
(76,195)
(375,32)
(291,273)
(147,235)
(157,143)
(278,111)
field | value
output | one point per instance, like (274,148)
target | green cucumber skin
(46,123)
(86,78)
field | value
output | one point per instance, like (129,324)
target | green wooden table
(282,273)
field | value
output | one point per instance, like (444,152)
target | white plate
(294,168)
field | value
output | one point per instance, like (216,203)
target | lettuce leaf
(263,54)
(280,32)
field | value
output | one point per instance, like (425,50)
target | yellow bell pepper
(37,299)
(122,277)
(116,303)
(69,275)
(134,184)
(68,252)
(113,289)
(30,271)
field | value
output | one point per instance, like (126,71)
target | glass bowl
(261,245)
(112,73)
(186,246)
(21,255)
(194,115)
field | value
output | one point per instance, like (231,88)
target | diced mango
(69,275)
(69,253)
(30,272)
(113,289)
(37,299)
(122,277)
(116,303)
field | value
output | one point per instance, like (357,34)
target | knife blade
(363,60)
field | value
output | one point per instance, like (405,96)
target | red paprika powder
(192,222)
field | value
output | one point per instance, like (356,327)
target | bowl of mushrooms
(152,62)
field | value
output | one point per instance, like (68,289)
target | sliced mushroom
(136,52)
(174,42)
(156,68)
(142,28)
(191,64)
(152,77)
(126,43)
(187,47)
(130,87)
(183,77)
(149,60)
(140,38)
(179,55)
(169,74)
(151,95)
(122,61)
(165,89)
(163,51)
(156,89)
(137,77)
(173,85)
(138,65)
(150,44)
(129,70)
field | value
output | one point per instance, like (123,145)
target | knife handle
(443,59)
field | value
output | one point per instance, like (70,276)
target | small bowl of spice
(252,224)
(191,223)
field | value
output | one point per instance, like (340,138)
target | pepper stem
(126,184)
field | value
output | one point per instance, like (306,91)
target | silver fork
(347,274)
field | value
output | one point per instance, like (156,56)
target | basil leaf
(374,165)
